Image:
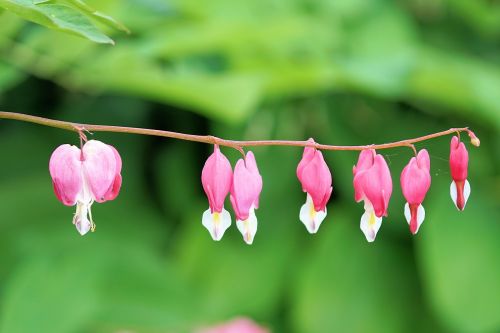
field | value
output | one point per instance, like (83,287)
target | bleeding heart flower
(373,184)
(415,182)
(459,162)
(245,192)
(216,178)
(83,176)
(316,180)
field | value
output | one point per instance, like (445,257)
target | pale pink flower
(372,184)
(415,182)
(83,176)
(216,178)
(238,325)
(245,192)
(459,162)
(316,181)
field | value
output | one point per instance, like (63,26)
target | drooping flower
(83,176)
(245,192)
(415,182)
(237,325)
(459,162)
(216,178)
(316,180)
(372,184)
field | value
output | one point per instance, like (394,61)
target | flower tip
(312,227)
(369,235)
(248,227)
(82,229)
(248,239)
(474,139)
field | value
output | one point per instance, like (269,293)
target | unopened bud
(474,139)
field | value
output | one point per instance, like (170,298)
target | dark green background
(343,72)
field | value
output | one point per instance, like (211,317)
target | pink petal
(416,179)
(100,168)
(66,171)
(216,178)
(316,179)
(376,185)
(307,156)
(117,183)
(423,159)
(246,187)
(365,162)
(459,160)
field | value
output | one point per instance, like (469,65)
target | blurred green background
(341,71)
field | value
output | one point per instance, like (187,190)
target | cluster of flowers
(372,184)
(92,173)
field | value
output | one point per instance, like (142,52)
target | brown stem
(238,145)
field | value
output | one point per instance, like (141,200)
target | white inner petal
(248,227)
(453,192)
(466,191)
(85,195)
(420,216)
(216,223)
(407,213)
(311,218)
(83,218)
(370,224)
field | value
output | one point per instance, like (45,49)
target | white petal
(420,216)
(370,224)
(248,228)
(407,213)
(85,196)
(216,223)
(453,192)
(466,191)
(81,220)
(311,218)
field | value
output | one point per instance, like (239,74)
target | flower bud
(459,163)
(245,192)
(415,182)
(216,178)
(316,181)
(372,184)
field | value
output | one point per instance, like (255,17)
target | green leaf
(55,16)
(459,256)
(101,17)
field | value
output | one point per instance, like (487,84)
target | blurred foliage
(223,58)
(341,71)
(72,16)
